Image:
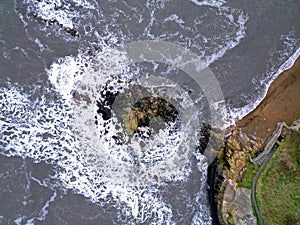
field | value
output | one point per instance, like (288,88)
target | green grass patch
(278,188)
(251,171)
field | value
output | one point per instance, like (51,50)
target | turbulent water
(64,163)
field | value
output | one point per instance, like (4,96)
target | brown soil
(282,103)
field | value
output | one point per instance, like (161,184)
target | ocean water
(62,162)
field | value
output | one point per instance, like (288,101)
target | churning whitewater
(57,121)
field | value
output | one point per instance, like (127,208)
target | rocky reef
(228,151)
(235,151)
(147,109)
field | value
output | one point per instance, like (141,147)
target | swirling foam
(109,21)
(43,129)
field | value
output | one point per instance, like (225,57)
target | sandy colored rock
(238,147)
(250,135)
(130,122)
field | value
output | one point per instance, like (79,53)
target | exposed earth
(246,140)
(282,103)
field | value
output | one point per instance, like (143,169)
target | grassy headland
(277,191)
(251,170)
(247,138)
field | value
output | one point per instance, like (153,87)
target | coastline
(240,113)
(247,138)
(281,104)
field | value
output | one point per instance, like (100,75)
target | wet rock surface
(145,110)
(138,114)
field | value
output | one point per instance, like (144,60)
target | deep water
(64,163)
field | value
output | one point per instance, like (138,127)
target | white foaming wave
(104,67)
(156,4)
(240,34)
(288,55)
(212,3)
(59,10)
(34,133)
(143,203)
(69,20)
(286,65)
(73,65)
(42,130)
(175,18)
(231,21)
(43,212)
(60,72)
(237,19)
(74,16)
(23,124)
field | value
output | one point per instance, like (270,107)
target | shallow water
(58,167)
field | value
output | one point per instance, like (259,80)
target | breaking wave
(49,124)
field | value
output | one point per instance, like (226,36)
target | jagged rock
(231,214)
(213,144)
(232,158)
(235,151)
(232,143)
(237,162)
(145,110)
(240,141)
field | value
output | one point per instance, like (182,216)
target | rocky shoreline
(249,141)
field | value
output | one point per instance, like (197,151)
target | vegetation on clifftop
(277,189)
(251,170)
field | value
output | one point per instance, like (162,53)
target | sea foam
(47,128)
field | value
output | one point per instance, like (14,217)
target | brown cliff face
(235,151)
(249,136)
(231,166)
(282,103)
